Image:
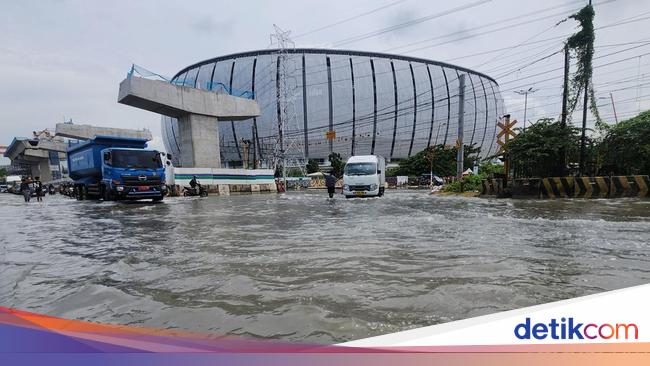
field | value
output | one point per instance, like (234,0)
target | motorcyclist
(194,183)
(195,188)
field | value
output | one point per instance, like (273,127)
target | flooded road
(300,267)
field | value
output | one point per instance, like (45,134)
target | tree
(312,166)
(444,161)
(625,149)
(537,152)
(337,164)
(3,172)
(489,169)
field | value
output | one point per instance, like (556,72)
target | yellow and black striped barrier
(591,187)
(629,186)
(572,187)
(557,187)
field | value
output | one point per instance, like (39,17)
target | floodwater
(298,266)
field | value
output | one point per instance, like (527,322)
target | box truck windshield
(135,159)
(360,169)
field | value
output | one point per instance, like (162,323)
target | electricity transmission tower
(287,152)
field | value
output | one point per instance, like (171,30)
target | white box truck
(364,176)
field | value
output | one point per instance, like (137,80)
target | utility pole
(565,101)
(461,114)
(565,93)
(583,136)
(255,147)
(525,94)
(585,101)
(613,107)
(430,156)
(245,144)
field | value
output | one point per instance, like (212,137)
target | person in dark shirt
(24,188)
(193,182)
(39,189)
(330,183)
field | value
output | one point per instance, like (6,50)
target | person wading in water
(25,189)
(330,183)
(39,189)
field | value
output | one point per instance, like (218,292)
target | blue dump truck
(114,168)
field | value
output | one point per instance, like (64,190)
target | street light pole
(525,94)
(613,107)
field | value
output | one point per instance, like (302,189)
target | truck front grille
(131,180)
(360,188)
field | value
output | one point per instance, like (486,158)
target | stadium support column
(461,112)
(200,139)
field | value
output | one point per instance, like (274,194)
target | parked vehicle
(113,168)
(3,188)
(13,183)
(364,176)
(198,191)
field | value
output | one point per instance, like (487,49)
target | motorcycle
(198,191)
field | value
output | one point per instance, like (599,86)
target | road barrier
(629,186)
(591,187)
(572,187)
(557,187)
(525,188)
(492,187)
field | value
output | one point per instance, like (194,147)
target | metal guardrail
(208,85)
(216,87)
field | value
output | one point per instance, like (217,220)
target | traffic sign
(506,133)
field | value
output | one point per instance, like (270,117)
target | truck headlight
(119,188)
(163,187)
(373,187)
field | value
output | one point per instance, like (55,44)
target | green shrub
(469,183)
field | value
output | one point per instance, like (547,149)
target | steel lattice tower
(287,152)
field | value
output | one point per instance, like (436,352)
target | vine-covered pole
(586,78)
(565,100)
(583,137)
(565,94)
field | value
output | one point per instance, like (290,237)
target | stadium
(376,103)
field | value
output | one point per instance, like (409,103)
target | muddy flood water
(298,266)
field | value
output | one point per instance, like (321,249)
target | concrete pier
(38,154)
(87,132)
(200,139)
(198,112)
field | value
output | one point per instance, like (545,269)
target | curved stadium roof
(377,103)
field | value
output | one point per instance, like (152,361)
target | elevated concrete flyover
(36,153)
(87,132)
(198,112)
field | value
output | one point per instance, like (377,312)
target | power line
(408,24)
(349,19)
(499,22)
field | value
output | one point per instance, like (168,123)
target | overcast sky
(65,59)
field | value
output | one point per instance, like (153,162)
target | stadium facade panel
(381,104)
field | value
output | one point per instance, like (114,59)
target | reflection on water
(300,267)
